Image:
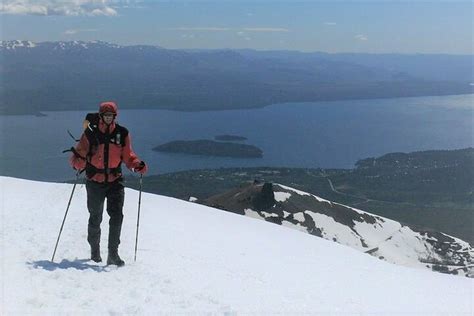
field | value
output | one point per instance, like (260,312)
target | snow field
(195,259)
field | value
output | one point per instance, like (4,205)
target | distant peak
(67,45)
(16,44)
(83,45)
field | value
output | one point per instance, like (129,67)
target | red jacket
(102,150)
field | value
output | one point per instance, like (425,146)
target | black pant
(96,195)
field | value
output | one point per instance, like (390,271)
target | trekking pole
(138,217)
(67,209)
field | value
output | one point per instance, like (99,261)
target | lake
(318,134)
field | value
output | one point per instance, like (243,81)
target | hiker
(103,146)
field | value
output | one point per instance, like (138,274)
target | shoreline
(42,113)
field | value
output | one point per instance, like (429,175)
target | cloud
(330,23)
(188,36)
(224,29)
(205,29)
(361,37)
(73,32)
(244,36)
(107,11)
(60,7)
(265,29)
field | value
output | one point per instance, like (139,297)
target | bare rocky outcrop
(381,237)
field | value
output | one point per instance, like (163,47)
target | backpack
(94,136)
(91,121)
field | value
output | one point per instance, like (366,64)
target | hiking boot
(93,237)
(95,255)
(114,258)
(114,236)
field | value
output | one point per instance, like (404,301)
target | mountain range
(77,75)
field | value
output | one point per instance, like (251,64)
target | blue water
(320,134)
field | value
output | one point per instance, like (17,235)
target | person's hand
(141,168)
(78,163)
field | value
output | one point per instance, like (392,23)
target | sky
(384,26)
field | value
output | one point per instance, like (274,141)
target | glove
(77,163)
(141,168)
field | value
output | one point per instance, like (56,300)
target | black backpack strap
(91,170)
(121,133)
(74,151)
(96,137)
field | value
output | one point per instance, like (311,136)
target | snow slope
(378,236)
(195,259)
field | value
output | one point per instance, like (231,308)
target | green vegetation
(230,138)
(432,189)
(211,148)
(45,78)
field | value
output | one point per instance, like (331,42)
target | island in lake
(211,148)
(230,138)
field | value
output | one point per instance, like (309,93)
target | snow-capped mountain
(78,44)
(12,45)
(193,259)
(380,237)
(54,75)
(67,45)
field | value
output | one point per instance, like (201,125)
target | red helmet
(109,107)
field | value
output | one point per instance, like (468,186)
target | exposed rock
(375,235)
